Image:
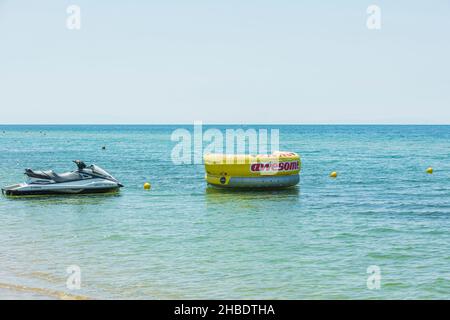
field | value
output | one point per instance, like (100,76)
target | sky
(233,61)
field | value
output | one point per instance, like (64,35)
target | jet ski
(87,179)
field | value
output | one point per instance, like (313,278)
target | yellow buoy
(147,186)
(333,174)
(430,170)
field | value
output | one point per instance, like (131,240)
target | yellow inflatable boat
(277,170)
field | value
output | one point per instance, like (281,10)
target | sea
(380,230)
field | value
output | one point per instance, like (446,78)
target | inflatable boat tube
(277,170)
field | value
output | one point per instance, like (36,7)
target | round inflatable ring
(277,170)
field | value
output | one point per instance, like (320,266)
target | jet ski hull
(13,193)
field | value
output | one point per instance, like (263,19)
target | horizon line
(224,124)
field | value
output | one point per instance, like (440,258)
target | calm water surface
(184,240)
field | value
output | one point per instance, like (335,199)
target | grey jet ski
(87,179)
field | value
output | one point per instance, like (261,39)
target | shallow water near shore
(182,240)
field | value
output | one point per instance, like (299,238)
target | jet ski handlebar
(80,164)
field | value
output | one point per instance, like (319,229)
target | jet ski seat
(50,175)
(66,177)
(39,174)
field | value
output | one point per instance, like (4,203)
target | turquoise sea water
(184,240)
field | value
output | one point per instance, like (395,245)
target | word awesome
(275,166)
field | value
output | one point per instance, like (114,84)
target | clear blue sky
(230,61)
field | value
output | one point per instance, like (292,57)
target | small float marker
(430,170)
(147,186)
(333,174)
